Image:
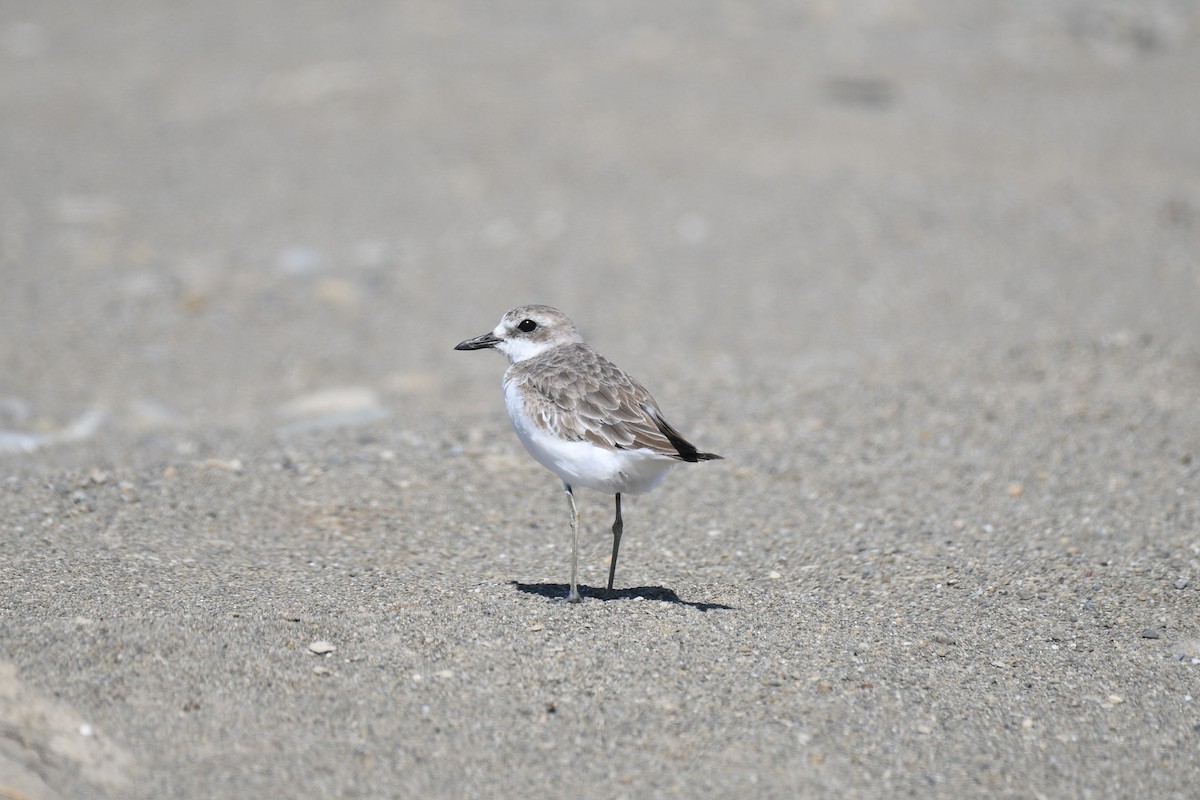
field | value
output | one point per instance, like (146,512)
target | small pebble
(321,648)
(1151,633)
(231,465)
(322,671)
(1182,583)
(942,638)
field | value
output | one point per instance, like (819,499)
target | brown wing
(582,396)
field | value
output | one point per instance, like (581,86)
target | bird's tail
(685,449)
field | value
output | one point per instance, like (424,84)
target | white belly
(583,463)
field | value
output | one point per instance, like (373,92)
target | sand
(927,275)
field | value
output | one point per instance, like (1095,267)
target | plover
(580,416)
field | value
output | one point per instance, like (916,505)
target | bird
(581,416)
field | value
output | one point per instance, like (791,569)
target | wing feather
(577,394)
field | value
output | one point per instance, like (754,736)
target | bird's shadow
(558,591)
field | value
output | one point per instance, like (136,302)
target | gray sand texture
(926,274)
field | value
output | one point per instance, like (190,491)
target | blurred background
(242,216)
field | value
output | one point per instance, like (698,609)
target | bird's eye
(527,325)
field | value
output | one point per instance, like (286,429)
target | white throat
(521,349)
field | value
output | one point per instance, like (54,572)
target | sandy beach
(927,275)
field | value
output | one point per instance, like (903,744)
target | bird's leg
(616,529)
(573,595)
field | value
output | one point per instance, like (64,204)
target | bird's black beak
(478,343)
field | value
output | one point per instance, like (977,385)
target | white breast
(583,463)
